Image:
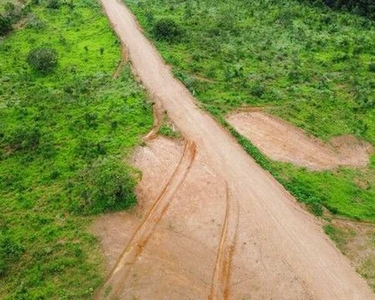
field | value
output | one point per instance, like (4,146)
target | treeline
(361,7)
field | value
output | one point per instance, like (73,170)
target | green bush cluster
(167,29)
(361,7)
(11,14)
(43,59)
(5,25)
(105,185)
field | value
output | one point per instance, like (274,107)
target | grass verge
(63,137)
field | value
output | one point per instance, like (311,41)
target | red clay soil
(280,250)
(282,141)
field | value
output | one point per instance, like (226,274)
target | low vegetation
(65,127)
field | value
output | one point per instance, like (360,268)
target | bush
(10,251)
(25,138)
(43,59)
(167,29)
(105,185)
(54,4)
(5,25)
(371,67)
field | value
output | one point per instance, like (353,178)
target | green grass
(52,129)
(313,66)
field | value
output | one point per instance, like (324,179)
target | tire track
(220,288)
(117,276)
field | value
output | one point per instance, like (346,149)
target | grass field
(54,130)
(309,65)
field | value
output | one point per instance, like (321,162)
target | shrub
(371,67)
(42,59)
(22,138)
(167,29)
(257,90)
(54,4)
(105,185)
(5,25)
(10,251)
(34,22)
(89,150)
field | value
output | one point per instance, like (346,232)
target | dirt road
(286,251)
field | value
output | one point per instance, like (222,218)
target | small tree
(5,25)
(54,4)
(167,29)
(105,185)
(43,59)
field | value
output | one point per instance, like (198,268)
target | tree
(105,185)
(5,25)
(43,59)
(167,29)
(54,4)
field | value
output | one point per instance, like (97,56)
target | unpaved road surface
(284,142)
(282,251)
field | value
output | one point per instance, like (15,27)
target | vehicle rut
(118,275)
(220,289)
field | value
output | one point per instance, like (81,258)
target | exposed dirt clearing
(191,250)
(178,260)
(146,228)
(282,141)
(286,253)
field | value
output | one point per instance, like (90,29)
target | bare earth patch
(282,141)
(189,255)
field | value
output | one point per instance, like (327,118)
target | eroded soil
(282,141)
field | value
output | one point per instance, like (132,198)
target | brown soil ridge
(284,142)
(112,285)
(281,243)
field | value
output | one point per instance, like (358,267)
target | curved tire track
(221,277)
(117,276)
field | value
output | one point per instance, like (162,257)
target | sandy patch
(282,141)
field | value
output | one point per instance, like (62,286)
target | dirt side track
(285,246)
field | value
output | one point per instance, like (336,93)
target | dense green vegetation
(360,7)
(65,128)
(307,64)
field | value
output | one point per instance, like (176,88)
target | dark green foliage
(54,4)
(22,138)
(10,252)
(362,7)
(167,29)
(105,185)
(42,59)
(5,25)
